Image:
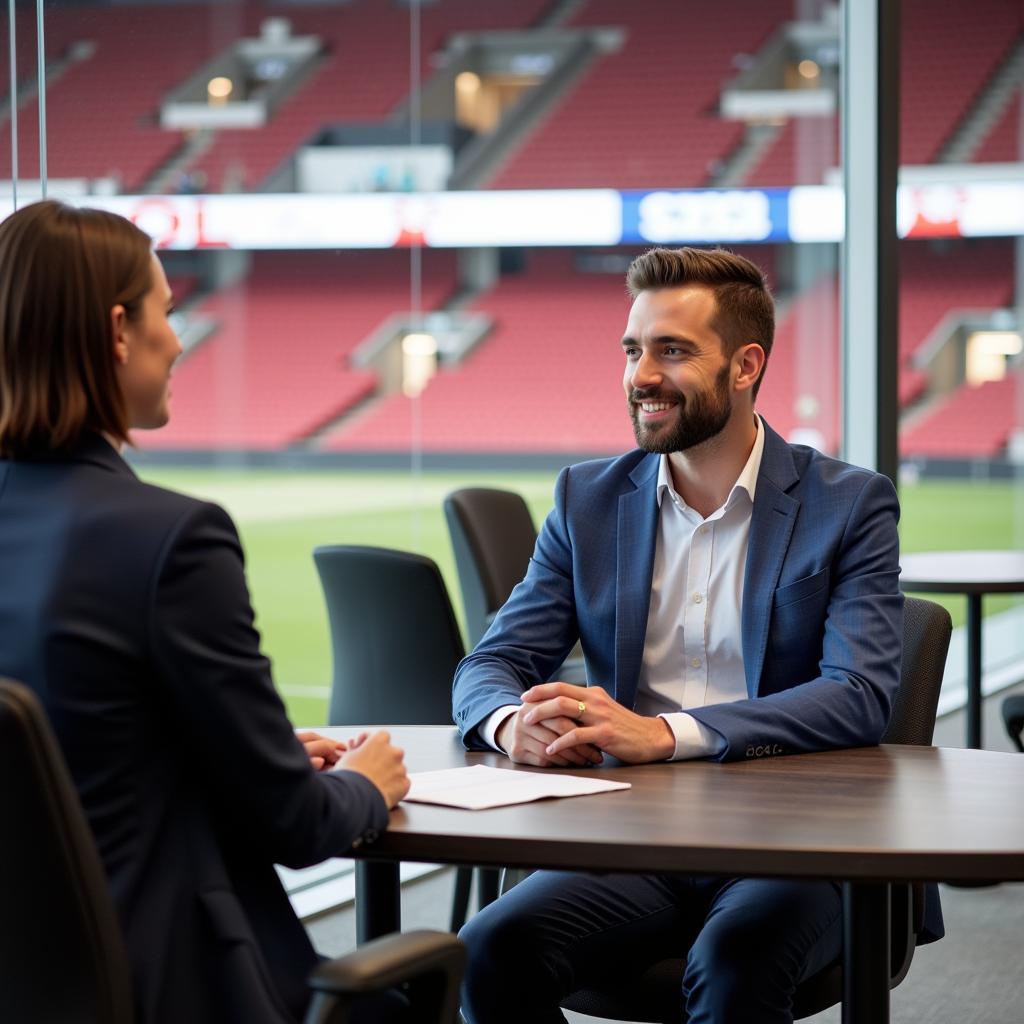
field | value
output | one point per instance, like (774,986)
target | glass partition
(960,385)
(397,234)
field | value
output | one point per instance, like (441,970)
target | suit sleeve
(531,635)
(217,690)
(849,702)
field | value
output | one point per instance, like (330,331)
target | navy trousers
(747,943)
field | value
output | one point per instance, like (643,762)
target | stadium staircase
(1005,142)
(957,80)
(643,118)
(988,109)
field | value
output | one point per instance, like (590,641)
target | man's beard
(697,420)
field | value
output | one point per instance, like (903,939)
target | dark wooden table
(865,817)
(974,573)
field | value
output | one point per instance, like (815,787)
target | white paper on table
(479,787)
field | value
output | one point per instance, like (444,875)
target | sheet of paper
(478,787)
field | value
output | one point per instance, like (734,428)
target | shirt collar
(746,482)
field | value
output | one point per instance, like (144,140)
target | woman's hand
(323,753)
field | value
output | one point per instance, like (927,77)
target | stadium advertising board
(569,217)
(705,215)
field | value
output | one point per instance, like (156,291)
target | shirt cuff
(488,732)
(693,738)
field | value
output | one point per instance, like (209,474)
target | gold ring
(581,709)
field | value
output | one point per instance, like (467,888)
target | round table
(974,573)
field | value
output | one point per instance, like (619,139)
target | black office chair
(657,995)
(395,645)
(62,957)
(1013,719)
(493,536)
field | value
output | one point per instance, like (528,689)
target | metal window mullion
(869,264)
(41,73)
(13,48)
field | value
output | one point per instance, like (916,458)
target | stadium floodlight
(419,362)
(987,354)
(219,89)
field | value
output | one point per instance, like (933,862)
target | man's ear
(749,361)
(118,324)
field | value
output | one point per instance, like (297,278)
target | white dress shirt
(693,650)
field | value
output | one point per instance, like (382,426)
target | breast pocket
(802,589)
(798,621)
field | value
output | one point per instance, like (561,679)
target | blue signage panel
(705,216)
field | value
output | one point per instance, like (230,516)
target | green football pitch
(283,515)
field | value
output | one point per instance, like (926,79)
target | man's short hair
(744,309)
(62,270)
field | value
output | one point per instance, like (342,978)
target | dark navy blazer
(124,607)
(822,612)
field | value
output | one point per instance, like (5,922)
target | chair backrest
(1013,719)
(926,631)
(62,957)
(394,637)
(493,537)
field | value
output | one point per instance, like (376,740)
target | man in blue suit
(736,597)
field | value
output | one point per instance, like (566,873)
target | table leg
(974,671)
(865,953)
(378,899)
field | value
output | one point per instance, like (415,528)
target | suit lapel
(771,526)
(637,533)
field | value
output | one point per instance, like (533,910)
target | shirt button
(703,530)
(697,598)
(695,663)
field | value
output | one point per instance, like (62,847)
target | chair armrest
(390,961)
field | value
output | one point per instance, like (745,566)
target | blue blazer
(124,607)
(822,611)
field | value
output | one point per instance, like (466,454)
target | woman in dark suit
(124,607)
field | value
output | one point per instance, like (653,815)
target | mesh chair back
(493,537)
(926,631)
(61,953)
(394,637)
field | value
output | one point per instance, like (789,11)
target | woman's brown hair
(62,270)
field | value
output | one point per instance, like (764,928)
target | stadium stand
(936,279)
(552,301)
(548,377)
(800,395)
(949,51)
(603,133)
(356,82)
(643,117)
(142,53)
(103,112)
(276,369)
(971,423)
